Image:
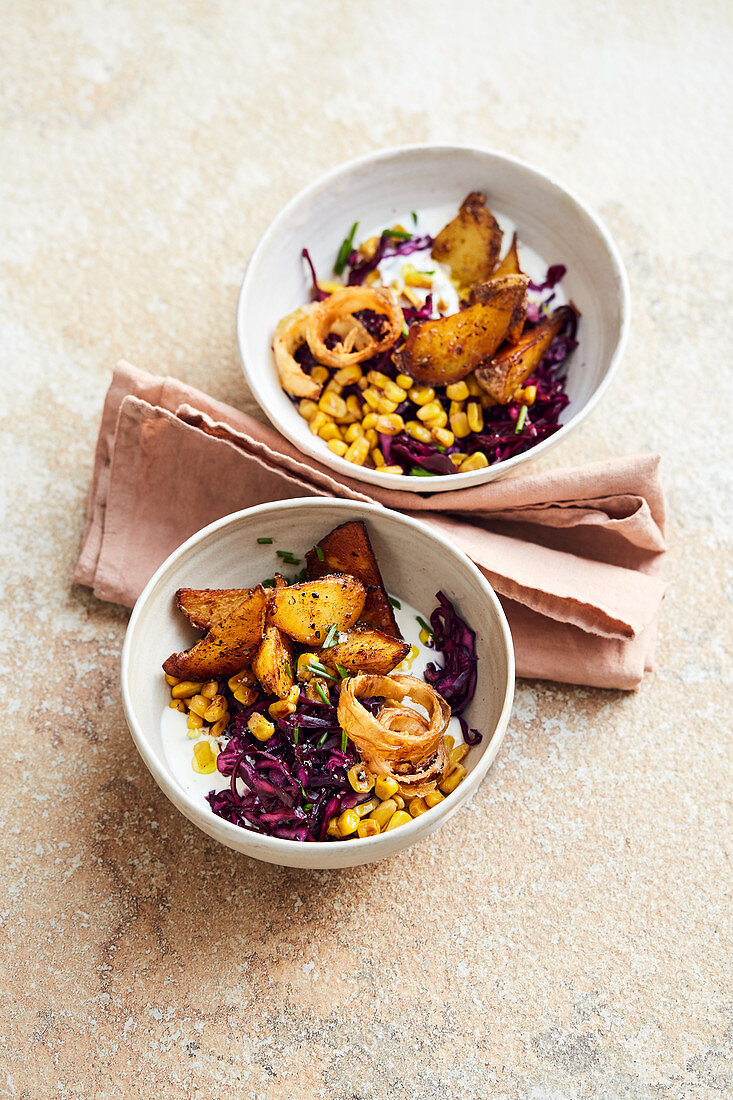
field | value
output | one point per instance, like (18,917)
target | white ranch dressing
(178,747)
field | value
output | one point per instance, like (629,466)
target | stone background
(569,934)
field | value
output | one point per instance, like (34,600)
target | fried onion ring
(289,335)
(399,741)
(343,303)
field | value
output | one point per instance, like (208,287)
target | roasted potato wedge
(347,549)
(503,288)
(306,611)
(229,645)
(273,663)
(205,606)
(471,242)
(365,650)
(446,350)
(516,362)
(510,264)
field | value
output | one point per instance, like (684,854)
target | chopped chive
(521,419)
(329,639)
(322,740)
(425,626)
(288,669)
(264,542)
(398,234)
(343,672)
(288,557)
(417,471)
(323,695)
(395,603)
(320,670)
(414,217)
(296,734)
(307,806)
(269,583)
(428,272)
(440,447)
(347,246)
(344,740)
(405,329)
(320,553)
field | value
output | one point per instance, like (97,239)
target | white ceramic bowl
(415,562)
(374,189)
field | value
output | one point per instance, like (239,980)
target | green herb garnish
(322,739)
(343,672)
(347,247)
(307,806)
(414,217)
(288,557)
(425,626)
(319,553)
(320,670)
(269,583)
(398,234)
(296,735)
(264,542)
(344,740)
(395,603)
(323,694)
(405,329)
(521,419)
(328,641)
(417,471)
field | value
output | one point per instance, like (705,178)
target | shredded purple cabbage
(555,274)
(387,246)
(456,678)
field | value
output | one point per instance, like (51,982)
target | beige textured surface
(567,936)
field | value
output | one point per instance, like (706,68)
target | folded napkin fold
(575,555)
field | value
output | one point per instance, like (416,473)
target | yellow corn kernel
(378,379)
(429,410)
(353,410)
(418,431)
(204,761)
(288,705)
(405,382)
(329,432)
(312,692)
(425,636)
(348,822)
(357,451)
(417,806)
(474,390)
(368,247)
(459,425)
(371,437)
(451,781)
(399,801)
(194,721)
(372,397)
(411,294)
(198,704)
(457,391)
(338,447)
(245,695)
(475,415)
(393,392)
(397,819)
(456,755)
(218,728)
(333,387)
(443,436)
(367,828)
(377,457)
(303,670)
(422,395)
(171,681)
(383,812)
(318,421)
(391,470)
(438,421)
(458,457)
(307,408)
(332,404)
(353,432)
(333,827)
(360,778)
(385,786)
(367,807)
(216,710)
(260,727)
(449,743)
(456,407)
(210,689)
(362,384)
(242,686)
(369,421)
(390,425)
(527,396)
(319,373)
(178,704)
(432,798)
(413,277)
(184,689)
(476,461)
(384,407)
(347,376)
(329,285)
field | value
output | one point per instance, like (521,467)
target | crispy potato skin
(273,663)
(471,242)
(205,606)
(446,350)
(504,290)
(306,611)
(228,646)
(510,264)
(516,362)
(365,650)
(348,549)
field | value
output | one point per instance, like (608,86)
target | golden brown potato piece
(205,606)
(510,264)
(229,645)
(516,362)
(347,549)
(306,611)
(502,288)
(365,650)
(445,351)
(470,244)
(273,663)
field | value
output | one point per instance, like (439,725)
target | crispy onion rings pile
(313,324)
(399,741)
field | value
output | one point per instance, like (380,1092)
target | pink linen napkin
(575,555)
